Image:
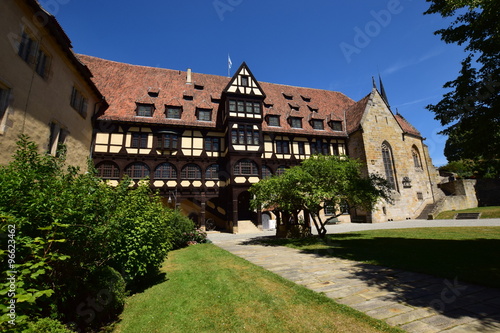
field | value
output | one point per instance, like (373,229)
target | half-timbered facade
(203,140)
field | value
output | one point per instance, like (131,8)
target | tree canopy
(471,109)
(317,182)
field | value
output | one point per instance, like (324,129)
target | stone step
(247,227)
(424,215)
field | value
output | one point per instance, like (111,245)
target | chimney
(188,78)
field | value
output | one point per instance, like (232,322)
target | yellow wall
(35,101)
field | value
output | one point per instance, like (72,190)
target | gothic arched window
(390,173)
(416,158)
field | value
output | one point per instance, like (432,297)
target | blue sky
(335,45)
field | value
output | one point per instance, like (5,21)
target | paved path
(414,302)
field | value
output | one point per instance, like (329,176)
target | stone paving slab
(417,303)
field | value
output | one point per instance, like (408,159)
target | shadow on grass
(420,272)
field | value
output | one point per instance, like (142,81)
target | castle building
(45,91)
(203,140)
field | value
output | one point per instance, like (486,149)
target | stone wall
(379,126)
(460,194)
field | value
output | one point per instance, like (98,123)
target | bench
(467,216)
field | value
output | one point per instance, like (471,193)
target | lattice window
(212,172)
(246,168)
(137,170)
(191,171)
(165,171)
(108,170)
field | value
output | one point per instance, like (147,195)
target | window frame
(173,141)
(282,147)
(114,170)
(212,143)
(171,108)
(242,166)
(79,102)
(336,125)
(294,121)
(132,169)
(148,114)
(388,161)
(245,135)
(169,173)
(315,122)
(201,114)
(212,172)
(276,118)
(248,107)
(139,140)
(191,171)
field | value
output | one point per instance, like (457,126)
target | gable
(243,82)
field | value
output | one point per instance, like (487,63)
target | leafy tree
(317,182)
(472,108)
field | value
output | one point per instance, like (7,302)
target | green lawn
(466,253)
(210,290)
(486,212)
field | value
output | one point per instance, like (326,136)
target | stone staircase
(424,215)
(247,227)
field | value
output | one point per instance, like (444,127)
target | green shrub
(72,226)
(47,325)
(139,252)
(103,298)
(180,226)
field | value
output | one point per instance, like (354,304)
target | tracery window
(390,173)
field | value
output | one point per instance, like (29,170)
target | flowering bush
(195,236)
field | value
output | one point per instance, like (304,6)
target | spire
(382,92)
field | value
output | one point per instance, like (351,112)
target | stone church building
(203,140)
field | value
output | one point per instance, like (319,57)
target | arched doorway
(244,211)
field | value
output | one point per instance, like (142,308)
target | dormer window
(317,124)
(294,107)
(288,96)
(173,112)
(145,110)
(153,92)
(295,122)
(313,108)
(187,97)
(204,114)
(273,120)
(336,125)
(306,98)
(199,87)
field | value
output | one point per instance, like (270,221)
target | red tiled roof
(406,126)
(125,85)
(354,114)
